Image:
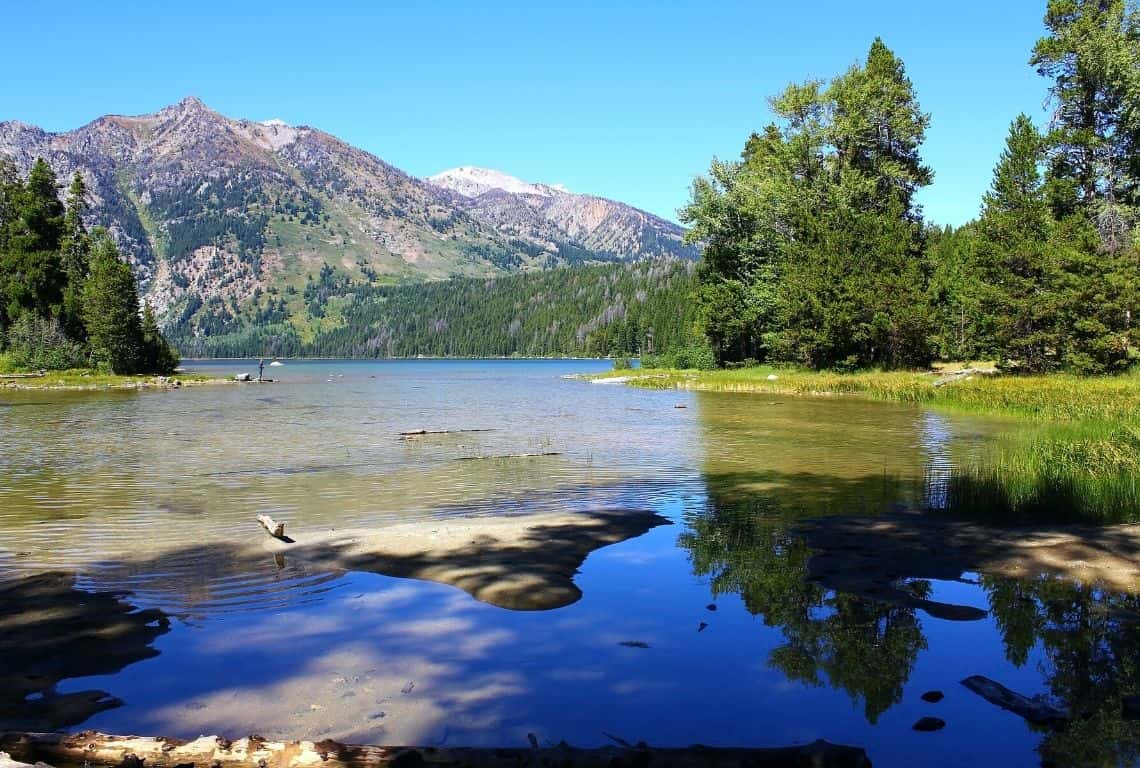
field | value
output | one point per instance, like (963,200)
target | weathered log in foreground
(96,749)
(1035,710)
(6,761)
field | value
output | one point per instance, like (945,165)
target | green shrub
(36,343)
(622,364)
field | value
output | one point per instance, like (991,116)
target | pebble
(929,724)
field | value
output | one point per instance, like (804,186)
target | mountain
(552,215)
(224,218)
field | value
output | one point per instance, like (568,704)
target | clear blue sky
(624,99)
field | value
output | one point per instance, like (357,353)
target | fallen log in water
(421,432)
(272,527)
(511,456)
(96,749)
(1035,710)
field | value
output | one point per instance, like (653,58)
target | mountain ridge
(217,214)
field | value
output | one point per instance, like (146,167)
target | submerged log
(421,432)
(273,527)
(90,748)
(1035,710)
(511,456)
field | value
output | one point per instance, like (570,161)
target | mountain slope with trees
(219,217)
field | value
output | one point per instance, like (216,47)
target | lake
(138,593)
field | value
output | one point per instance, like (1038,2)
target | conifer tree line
(66,298)
(817,254)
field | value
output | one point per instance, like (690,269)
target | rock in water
(242,377)
(933,696)
(927,724)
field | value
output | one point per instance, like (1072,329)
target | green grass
(1086,472)
(1075,459)
(82,378)
(1056,397)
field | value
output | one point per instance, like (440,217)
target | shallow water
(146,495)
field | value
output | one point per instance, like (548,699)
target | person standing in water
(260,368)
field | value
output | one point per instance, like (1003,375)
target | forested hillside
(585,311)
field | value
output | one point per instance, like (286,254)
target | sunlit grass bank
(81,378)
(1074,458)
(1085,472)
(1057,397)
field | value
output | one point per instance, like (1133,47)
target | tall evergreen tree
(75,251)
(111,309)
(1015,257)
(30,263)
(1092,56)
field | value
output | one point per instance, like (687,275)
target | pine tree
(158,356)
(1014,255)
(75,255)
(1092,55)
(29,262)
(110,309)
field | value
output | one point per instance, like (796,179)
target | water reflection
(845,628)
(863,647)
(1090,638)
(935,437)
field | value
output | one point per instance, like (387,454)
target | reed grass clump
(1083,474)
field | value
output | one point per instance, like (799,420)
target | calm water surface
(134,502)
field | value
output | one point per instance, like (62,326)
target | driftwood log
(6,761)
(273,527)
(96,749)
(422,432)
(511,456)
(1035,710)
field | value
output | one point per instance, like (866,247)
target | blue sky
(624,99)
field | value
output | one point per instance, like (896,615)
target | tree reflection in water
(1086,638)
(1090,643)
(860,646)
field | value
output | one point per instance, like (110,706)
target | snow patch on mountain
(471,181)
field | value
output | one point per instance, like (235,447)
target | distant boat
(276,362)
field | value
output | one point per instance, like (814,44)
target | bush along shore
(1072,453)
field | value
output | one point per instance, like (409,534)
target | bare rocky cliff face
(216,213)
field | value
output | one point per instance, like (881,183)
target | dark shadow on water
(51,631)
(529,571)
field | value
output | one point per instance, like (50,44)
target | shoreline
(1050,397)
(70,381)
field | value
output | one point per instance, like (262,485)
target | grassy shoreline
(80,379)
(1054,397)
(1076,459)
